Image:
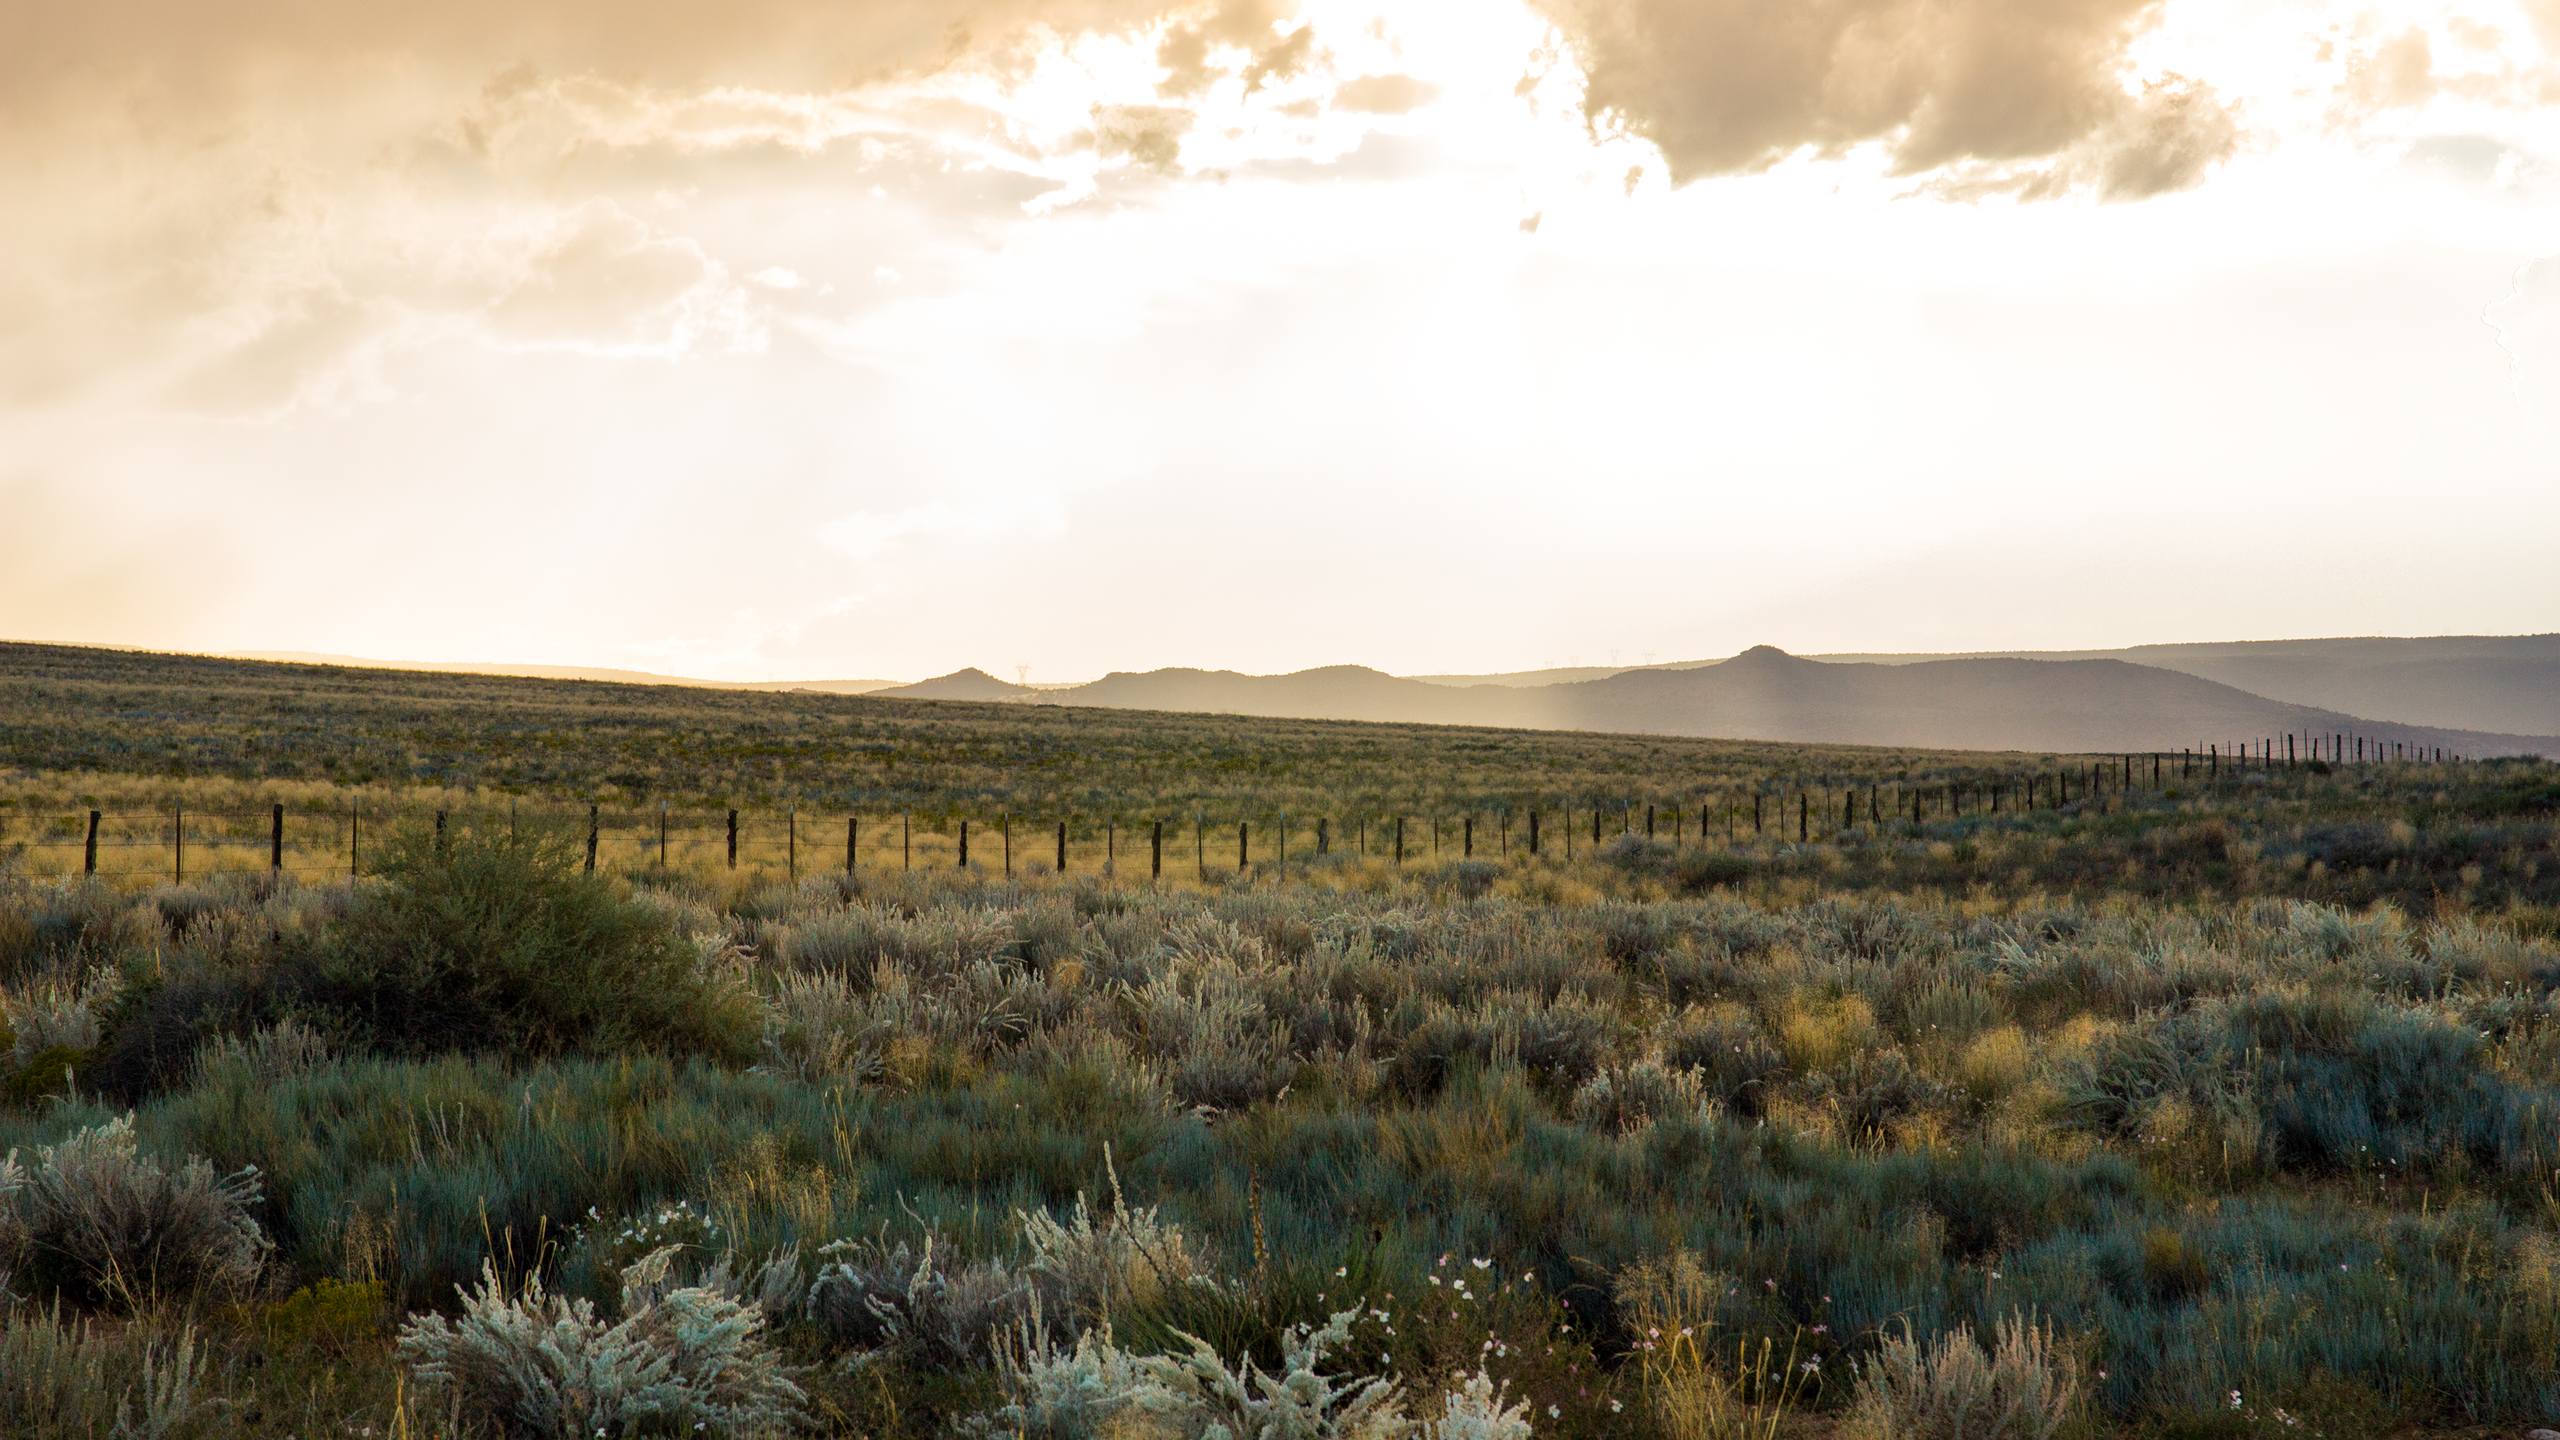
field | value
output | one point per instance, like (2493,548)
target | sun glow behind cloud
(1270,335)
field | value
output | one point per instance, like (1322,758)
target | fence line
(202,842)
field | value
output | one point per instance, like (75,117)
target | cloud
(1385,94)
(1194,51)
(2400,75)
(1988,93)
(606,280)
(1150,135)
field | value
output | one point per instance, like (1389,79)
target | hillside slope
(1765,694)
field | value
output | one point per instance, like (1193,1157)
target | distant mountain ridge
(2500,683)
(1988,703)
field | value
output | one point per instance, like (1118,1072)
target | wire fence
(180,843)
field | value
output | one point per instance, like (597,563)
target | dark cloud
(2030,97)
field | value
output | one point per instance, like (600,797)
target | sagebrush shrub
(2025,1387)
(871,1295)
(1088,1267)
(681,1359)
(97,1222)
(74,1380)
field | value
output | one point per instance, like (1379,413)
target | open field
(2234,1102)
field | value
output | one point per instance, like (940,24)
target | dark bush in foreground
(499,942)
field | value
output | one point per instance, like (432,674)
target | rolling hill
(2093,705)
(2501,683)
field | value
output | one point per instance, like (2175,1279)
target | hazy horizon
(1039,678)
(817,340)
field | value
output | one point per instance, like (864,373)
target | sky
(798,339)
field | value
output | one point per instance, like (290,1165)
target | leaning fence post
(592,828)
(89,860)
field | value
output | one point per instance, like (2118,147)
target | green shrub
(499,942)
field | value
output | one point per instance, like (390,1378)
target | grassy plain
(2219,1109)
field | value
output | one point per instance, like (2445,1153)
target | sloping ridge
(1991,704)
(2065,706)
(970,684)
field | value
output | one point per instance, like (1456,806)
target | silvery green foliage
(682,1358)
(1096,1391)
(57,1014)
(272,1053)
(1475,1411)
(1085,1392)
(1087,1267)
(64,1379)
(13,1227)
(1624,1098)
(2026,1386)
(123,1229)
(872,1296)
(1203,1397)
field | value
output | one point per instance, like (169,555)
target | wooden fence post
(354,818)
(852,842)
(275,840)
(1062,847)
(964,844)
(662,836)
(1155,859)
(733,839)
(907,840)
(1533,834)
(1399,840)
(592,828)
(1804,817)
(1469,840)
(1324,837)
(178,832)
(1648,822)
(1244,845)
(439,832)
(1755,814)
(89,858)
(791,843)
